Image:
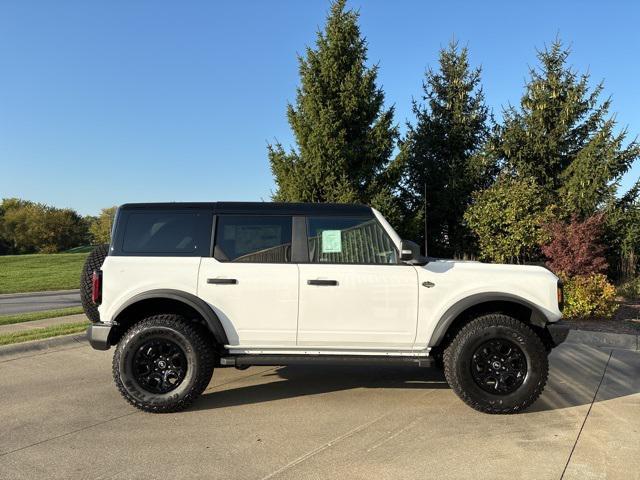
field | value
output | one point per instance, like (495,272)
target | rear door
(354,292)
(250,282)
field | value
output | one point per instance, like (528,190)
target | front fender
(539,315)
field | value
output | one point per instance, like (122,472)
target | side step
(240,361)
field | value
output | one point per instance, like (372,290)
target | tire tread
(471,328)
(201,346)
(93,262)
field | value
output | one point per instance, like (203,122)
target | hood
(442,265)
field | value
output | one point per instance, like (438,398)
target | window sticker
(331,241)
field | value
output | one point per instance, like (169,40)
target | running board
(346,360)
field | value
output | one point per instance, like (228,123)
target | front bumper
(98,335)
(558,331)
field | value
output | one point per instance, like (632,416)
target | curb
(47,293)
(44,344)
(623,341)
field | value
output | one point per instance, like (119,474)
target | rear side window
(166,233)
(253,238)
(359,240)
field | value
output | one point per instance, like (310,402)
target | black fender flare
(197,304)
(538,318)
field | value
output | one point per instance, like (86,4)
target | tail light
(96,287)
(560,294)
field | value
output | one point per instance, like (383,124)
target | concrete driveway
(38,301)
(61,417)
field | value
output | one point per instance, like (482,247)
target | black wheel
(94,262)
(496,364)
(163,363)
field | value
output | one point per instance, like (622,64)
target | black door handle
(326,283)
(222,281)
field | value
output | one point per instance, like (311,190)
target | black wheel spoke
(160,365)
(499,366)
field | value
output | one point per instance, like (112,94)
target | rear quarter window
(164,233)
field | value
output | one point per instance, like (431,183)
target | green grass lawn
(30,316)
(40,333)
(40,272)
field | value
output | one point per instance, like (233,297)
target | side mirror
(410,253)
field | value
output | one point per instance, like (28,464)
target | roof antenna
(425,220)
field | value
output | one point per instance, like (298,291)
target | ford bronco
(184,288)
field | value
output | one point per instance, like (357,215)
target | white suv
(186,287)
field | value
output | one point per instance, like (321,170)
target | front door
(250,282)
(355,293)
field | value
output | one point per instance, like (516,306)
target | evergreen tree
(564,138)
(622,234)
(442,155)
(344,134)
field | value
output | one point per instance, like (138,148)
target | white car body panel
(373,306)
(374,310)
(128,276)
(456,281)
(261,309)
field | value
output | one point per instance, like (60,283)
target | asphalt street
(38,301)
(61,417)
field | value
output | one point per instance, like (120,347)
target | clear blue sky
(103,103)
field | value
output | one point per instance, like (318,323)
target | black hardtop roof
(260,208)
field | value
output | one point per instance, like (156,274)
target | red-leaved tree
(576,248)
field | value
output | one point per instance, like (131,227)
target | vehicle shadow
(299,381)
(577,372)
(581,374)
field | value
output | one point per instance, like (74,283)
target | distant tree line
(501,191)
(29,227)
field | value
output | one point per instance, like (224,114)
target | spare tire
(94,262)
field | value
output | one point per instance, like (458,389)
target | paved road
(38,301)
(61,417)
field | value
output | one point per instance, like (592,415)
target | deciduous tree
(100,228)
(509,219)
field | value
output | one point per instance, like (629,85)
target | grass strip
(40,272)
(40,333)
(31,316)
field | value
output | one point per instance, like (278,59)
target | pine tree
(564,138)
(622,234)
(345,136)
(442,154)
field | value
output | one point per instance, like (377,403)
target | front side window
(349,240)
(253,238)
(167,233)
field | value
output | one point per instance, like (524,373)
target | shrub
(630,289)
(576,248)
(589,296)
(508,219)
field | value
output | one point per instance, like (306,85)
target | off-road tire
(196,346)
(458,367)
(94,262)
